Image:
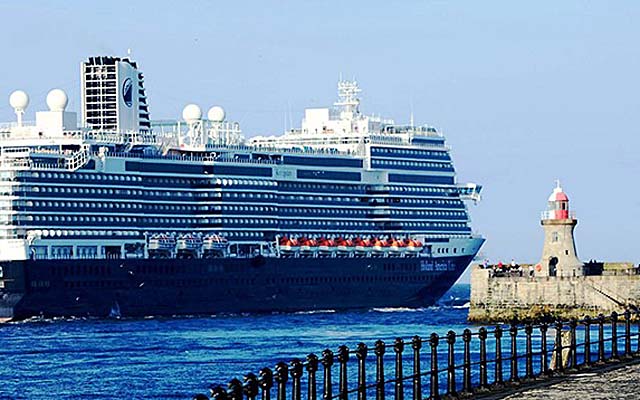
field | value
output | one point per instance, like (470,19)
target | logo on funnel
(127,92)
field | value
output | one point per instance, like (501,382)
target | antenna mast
(348,99)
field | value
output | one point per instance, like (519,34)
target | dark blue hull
(140,287)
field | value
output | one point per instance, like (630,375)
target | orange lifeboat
(413,246)
(325,246)
(308,246)
(362,246)
(304,245)
(378,246)
(344,245)
(396,245)
(288,245)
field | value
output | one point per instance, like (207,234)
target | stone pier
(503,298)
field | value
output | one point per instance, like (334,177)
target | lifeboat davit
(214,242)
(189,242)
(162,242)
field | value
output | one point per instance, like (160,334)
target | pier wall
(498,299)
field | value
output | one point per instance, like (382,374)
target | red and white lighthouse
(559,256)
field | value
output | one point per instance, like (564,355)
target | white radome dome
(19,100)
(57,100)
(216,114)
(191,113)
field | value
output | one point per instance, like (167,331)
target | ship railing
(6,127)
(405,141)
(15,163)
(190,158)
(301,149)
(26,133)
(447,365)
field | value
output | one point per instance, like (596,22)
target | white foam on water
(397,309)
(314,312)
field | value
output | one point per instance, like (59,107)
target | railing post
(558,348)
(296,375)
(235,390)
(627,333)
(544,365)
(281,376)
(498,363)
(266,382)
(250,387)
(451,363)
(482,335)
(361,355)
(327,362)
(466,372)
(600,338)
(434,391)
(343,357)
(573,347)
(379,351)
(614,335)
(219,393)
(416,344)
(528,331)
(513,331)
(312,368)
(398,348)
(587,340)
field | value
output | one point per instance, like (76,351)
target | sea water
(174,358)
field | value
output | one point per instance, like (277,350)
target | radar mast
(348,102)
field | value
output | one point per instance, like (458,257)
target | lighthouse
(559,256)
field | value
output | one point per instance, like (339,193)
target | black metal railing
(472,363)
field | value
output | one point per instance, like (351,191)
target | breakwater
(500,297)
(458,365)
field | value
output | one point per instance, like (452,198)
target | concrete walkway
(613,382)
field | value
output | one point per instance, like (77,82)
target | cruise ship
(111,213)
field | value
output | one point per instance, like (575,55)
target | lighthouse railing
(552,214)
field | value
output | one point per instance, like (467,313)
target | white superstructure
(115,186)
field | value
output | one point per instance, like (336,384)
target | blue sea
(174,358)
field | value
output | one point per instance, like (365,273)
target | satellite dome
(216,114)
(19,100)
(191,113)
(57,100)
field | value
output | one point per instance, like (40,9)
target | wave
(398,309)
(314,312)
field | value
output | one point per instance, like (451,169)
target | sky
(525,93)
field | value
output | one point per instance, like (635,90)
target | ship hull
(142,287)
